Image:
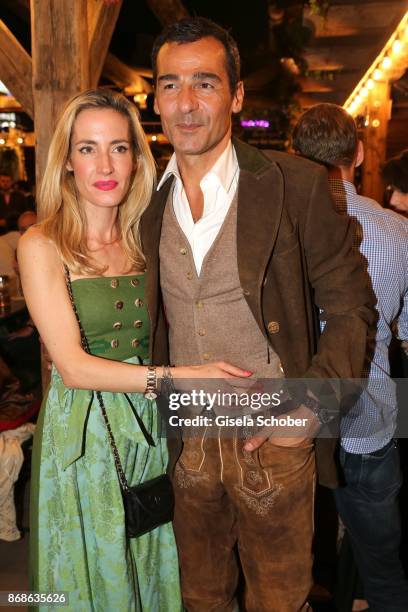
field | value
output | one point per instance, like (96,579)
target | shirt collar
(343,185)
(224,169)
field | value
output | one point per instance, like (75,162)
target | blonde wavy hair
(62,218)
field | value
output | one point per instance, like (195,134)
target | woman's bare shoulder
(35,237)
(35,243)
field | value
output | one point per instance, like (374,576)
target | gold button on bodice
(134,282)
(135,343)
(114,343)
(199,304)
(138,303)
(273,327)
(183,250)
(114,283)
(138,324)
(117,325)
(118,304)
(189,275)
(201,332)
(206,356)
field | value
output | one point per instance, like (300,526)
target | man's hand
(289,436)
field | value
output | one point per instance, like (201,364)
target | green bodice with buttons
(114,316)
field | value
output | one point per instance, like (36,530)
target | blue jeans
(368,506)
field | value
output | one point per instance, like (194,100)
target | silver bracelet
(151,383)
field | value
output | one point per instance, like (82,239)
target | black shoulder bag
(151,503)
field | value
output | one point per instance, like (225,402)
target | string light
(396,46)
(384,61)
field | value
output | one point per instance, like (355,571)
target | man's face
(5,182)
(193,96)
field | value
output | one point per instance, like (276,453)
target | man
(26,220)
(368,501)
(246,242)
(12,203)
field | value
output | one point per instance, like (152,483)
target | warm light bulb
(364,92)
(12,124)
(357,100)
(154,138)
(377,75)
(386,63)
(370,84)
(375,123)
(396,46)
(2,141)
(20,140)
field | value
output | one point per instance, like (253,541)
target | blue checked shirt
(381,237)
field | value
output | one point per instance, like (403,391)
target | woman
(395,174)
(99,179)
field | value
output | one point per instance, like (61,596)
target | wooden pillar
(60,64)
(377,115)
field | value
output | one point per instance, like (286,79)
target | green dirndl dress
(77,536)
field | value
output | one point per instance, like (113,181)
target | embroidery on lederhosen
(256,488)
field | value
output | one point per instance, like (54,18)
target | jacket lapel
(260,204)
(150,230)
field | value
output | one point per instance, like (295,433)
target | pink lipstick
(105,185)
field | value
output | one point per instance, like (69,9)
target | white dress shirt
(218,186)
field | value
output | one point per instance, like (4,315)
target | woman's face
(399,202)
(101,157)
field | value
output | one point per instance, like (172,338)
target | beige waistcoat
(209,318)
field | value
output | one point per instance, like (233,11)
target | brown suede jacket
(294,256)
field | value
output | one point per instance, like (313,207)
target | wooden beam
(168,11)
(356,17)
(16,69)
(124,76)
(101,24)
(378,114)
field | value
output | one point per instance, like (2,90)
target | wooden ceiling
(344,45)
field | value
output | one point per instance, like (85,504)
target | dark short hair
(192,29)
(326,134)
(395,172)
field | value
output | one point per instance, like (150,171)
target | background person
(368,500)
(395,175)
(12,204)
